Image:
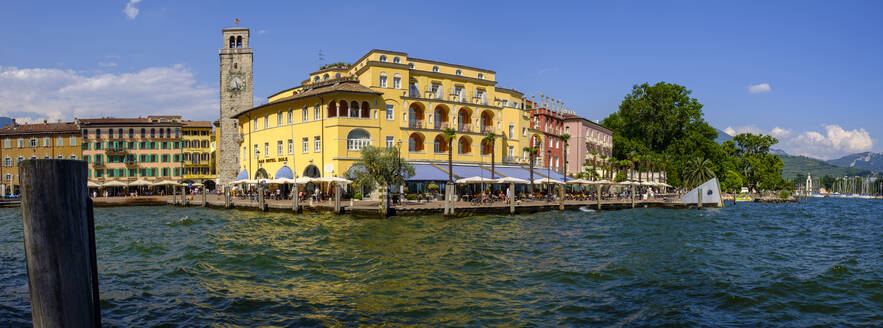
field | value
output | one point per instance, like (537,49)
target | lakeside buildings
(596,141)
(388,99)
(32,141)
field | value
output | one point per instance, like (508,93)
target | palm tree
(490,137)
(697,171)
(564,138)
(594,156)
(532,154)
(449,135)
(632,158)
(604,161)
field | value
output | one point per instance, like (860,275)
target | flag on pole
(237,21)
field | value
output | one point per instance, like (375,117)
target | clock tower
(236,59)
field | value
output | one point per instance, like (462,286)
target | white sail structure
(711,194)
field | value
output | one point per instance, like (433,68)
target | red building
(551,124)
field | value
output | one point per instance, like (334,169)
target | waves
(745,265)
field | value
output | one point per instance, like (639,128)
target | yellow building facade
(35,141)
(197,148)
(385,98)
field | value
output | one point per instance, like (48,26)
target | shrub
(357,195)
(410,196)
(432,187)
(784,194)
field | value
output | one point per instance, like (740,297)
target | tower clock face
(235,84)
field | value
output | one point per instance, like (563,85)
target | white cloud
(131,11)
(833,143)
(759,88)
(733,131)
(107,64)
(780,132)
(35,94)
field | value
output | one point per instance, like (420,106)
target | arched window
(153,133)
(382,58)
(382,82)
(411,65)
(161,131)
(316,79)
(459,72)
(439,144)
(396,60)
(343,110)
(366,110)
(464,145)
(357,139)
(415,143)
(143,133)
(332,109)
(120,133)
(325,77)
(354,109)
(486,147)
(440,117)
(239,41)
(169,132)
(110,133)
(232,42)
(435,69)
(131,133)
(337,76)
(480,76)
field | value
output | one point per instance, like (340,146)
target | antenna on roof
(321,58)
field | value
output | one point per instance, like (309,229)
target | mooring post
(336,198)
(453,194)
(561,194)
(204,197)
(699,198)
(174,196)
(261,197)
(295,202)
(447,199)
(600,187)
(59,253)
(226,196)
(511,198)
(633,196)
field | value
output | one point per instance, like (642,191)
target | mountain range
(860,164)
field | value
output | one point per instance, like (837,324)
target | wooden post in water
(204,196)
(337,198)
(174,196)
(453,193)
(699,199)
(261,196)
(227,197)
(59,243)
(633,196)
(600,187)
(511,198)
(295,202)
(447,199)
(561,194)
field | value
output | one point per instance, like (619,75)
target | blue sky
(815,67)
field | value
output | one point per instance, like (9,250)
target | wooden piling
(633,196)
(600,187)
(227,197)
(699,199)
(174,196)
(561,194)
(511,198)
(204,197)
(447,199)
(453,188)
(337,199)
(62,278)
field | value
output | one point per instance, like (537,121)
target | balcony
(98,164)
(115,150)
(487,129)
(441,125)
(464,128)
(415,124)
(357,144)
(131,163)
(195,163)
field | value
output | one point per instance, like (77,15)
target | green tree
(449,135)
(490,138)
(532,156)
(381,167)
(697,171)
(760,168)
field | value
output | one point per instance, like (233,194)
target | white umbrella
(137,183)
(167,183)
(91,184)
(303,180)
(547,181)
(628,183)
(247,181)
(281,181)
(649,183)
(333,179)
(476,180)
(511,180)
(578,181)
(662,184)
(114,184)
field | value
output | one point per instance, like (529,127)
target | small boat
(744,196)
(586,209)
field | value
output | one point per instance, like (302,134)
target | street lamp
(549,170)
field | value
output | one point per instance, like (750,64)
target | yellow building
(385,98)
(197,145)
(33,141)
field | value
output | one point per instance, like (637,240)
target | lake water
(745,265)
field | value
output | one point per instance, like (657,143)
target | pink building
(585,136)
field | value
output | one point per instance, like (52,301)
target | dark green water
(749,265)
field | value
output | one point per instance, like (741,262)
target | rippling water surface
(748,265)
